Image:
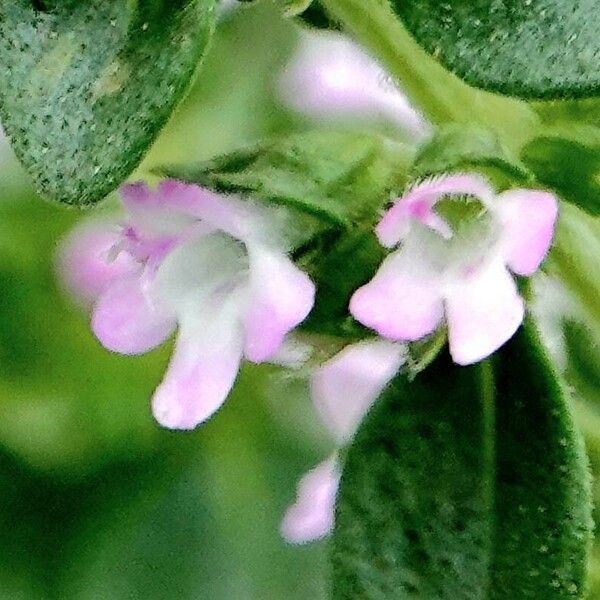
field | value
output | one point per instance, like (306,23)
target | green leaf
(339,265)
(85,87)
(467,147)
(571,113)
(466,483)
(582,349)
(570,167)
(342,178)
(532,49)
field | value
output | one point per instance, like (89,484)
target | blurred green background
(96,501)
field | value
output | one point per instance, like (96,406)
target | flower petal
(281,296)
(483,312)
(136,195)
(125,320)
(418,205)
(202,371)
(529,218)
(331,77)
(85,264)
(155,221)
(312,515)
(400,303)
(346,386)
(240,219)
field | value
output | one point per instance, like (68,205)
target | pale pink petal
(125,321)
(87,262)
(401,302)
(331,77)
(418,205)
(281,296)
(528,218)
(312,515)
(199,379)
(229,214)
(136,195)
(146,248)
(483,310)
(154,220)
(346,386)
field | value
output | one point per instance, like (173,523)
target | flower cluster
(435,269)
(216,269)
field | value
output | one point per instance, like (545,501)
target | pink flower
(461,274)
(210,266)
(330,77)
(343,390)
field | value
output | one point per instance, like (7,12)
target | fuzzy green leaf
(531,49)
(341,178)
(466,483)
(85,87)
(463,147)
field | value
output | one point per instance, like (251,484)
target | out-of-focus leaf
(582,112)
(296,7)
(85,87)
(65,402)
(466,483)
(583,355)
(569,167)
(573,259)
(342,178)
(199,518)
(463,147)
(532,49)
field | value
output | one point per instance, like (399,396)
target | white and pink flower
(462,275)
(331,78)
(343,390)
(212,267)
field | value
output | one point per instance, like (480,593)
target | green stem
(442,97)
